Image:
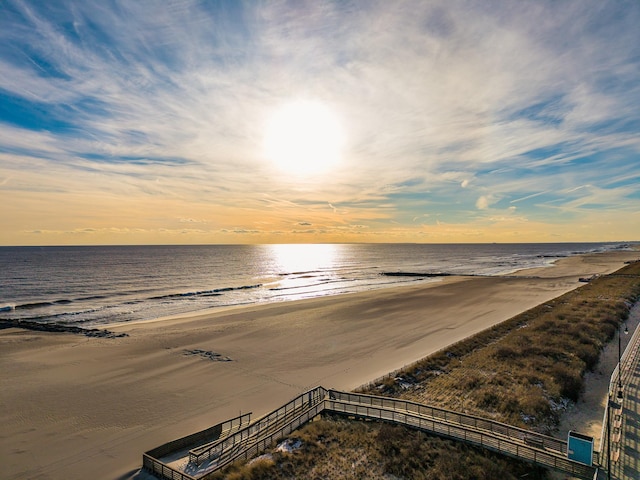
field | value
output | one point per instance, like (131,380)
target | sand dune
(77,407)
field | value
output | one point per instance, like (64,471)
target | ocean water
(89,286)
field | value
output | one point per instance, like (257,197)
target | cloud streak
(465,108)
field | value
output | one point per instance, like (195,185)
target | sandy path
(76,407)
(586,416)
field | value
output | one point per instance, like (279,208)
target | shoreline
(89,407)
(597,268)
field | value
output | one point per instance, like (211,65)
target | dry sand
(78,407)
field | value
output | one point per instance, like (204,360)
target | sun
(304,137)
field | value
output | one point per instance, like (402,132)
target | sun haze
(319,122)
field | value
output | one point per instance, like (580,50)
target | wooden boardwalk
(622,428)
(201,460)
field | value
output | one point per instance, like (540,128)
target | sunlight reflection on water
(303,258)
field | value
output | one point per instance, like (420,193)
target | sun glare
(304,137)
(303,258)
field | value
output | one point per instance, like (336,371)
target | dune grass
(337,448)
(524,371)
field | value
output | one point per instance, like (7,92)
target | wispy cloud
(533,195)
(451,110)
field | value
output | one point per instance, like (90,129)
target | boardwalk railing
(251,449)
(455,418)
(612,426)
(160,469)
(501,438)
(248,441)
(262,427)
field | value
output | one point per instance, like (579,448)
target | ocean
(97,285)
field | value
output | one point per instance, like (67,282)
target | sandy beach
(79,407)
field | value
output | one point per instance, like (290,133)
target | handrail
(632,346)
(462,419)
(246,442)
(288,411)
(162,470)
(150,460)
(485,439)
(262,443)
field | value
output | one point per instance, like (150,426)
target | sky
(198,122)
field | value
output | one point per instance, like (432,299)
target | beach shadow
(136,474)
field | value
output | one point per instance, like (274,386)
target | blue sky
(461,121)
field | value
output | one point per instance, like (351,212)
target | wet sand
(78,407)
